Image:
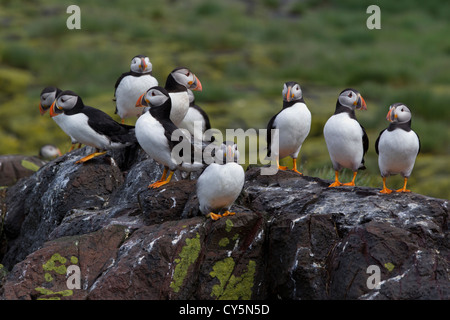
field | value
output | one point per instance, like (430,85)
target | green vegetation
(243,52)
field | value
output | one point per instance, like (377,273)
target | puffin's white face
(155,97)
(66,102)
(291,92)
(186,78)
(47,99)
(348,98)
(352,100)
(228,152)
(141,65)
(398,113)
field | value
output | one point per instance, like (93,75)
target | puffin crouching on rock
(397,146)
(91,126)
(220,184)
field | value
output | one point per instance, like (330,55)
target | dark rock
(292,237)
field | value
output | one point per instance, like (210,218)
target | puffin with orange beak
(292,125)
(397,146)
(131,85)
(346,139)
(177,83)
(90,126)
(47,97)
(159,136)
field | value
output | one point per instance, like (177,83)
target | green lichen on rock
(48,292)
(189,253)
(50,265)
(231,287)
(224,242)
(389,266)
(228,225)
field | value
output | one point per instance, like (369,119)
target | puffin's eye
(188,74)
(153,94)
(350,95)
(402,110)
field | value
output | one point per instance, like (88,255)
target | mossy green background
(242,51)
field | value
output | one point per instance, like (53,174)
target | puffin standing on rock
(131,85)
(219,185)
(346,139)
(397,146)
(48,96)
(178,82)
(91,126)
(154,131)
(293,123)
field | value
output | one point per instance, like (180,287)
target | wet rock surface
(292,237)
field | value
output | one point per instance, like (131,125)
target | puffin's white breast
(150,135)
(194,123)
(60,121)
(343,136)
(180,106)
(397,152)
(219,186)
(129,90)
(77,127)
(294,124)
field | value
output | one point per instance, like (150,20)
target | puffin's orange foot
(282,168)
(228,213)
(295,170)
(402,190)
(351,184)
(157,184)
(386,190)
(335,184)
(89,157)
(214,216)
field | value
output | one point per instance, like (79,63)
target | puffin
(397,146)
(177,83)
(130,85)
(47,97)
(346,139)
(196,120)
(221,183)
(14,167)
(292,123)
(91,126)
(154,130)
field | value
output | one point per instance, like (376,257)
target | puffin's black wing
(270,126)
(365,139)
(104,124)
(204,115)
(378,140)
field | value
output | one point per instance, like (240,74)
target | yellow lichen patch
(189,253)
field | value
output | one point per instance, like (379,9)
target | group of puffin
(162,110)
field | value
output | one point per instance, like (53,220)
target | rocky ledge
(95,231)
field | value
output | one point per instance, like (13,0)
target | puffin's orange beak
(288,94)
(360,103)
(41,109)
(196,85)
(141,102)
(52,109)
(143,65)
(389,115)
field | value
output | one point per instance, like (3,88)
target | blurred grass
(243,51)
